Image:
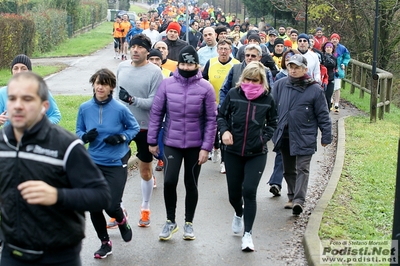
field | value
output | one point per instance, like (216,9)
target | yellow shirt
(170,65)
(165,72)
(217,73)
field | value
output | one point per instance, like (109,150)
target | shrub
(51,28)
(17,37)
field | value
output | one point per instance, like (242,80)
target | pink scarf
(252,91)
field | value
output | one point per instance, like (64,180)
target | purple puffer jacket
(190,111)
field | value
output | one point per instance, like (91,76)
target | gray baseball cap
(298,60)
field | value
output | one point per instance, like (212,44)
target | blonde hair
(254,70)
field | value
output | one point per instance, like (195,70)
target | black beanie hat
(154,52)
(279,41)
(188,55)
(220,29)
(23,59)
(254,37)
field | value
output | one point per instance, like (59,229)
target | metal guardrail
(378,86)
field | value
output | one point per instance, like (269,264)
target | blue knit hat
(303,36)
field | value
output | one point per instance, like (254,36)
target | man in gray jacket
(302,109)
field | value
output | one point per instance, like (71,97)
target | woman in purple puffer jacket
(188,103)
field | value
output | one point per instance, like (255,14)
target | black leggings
(243,175)
(172,164)
(116,178)
(329,93)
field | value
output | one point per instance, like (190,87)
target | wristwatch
(123,137)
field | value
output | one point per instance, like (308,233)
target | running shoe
(104,251)
(168,230)
(160,165)
(188,233)
(222,168)
(237,224)
(125,230)
(145,219)
(247,242)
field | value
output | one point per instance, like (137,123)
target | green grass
(138,9)
(362,206)
(5,74)
(83,44)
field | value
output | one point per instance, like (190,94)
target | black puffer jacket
(49,153)
(252,123)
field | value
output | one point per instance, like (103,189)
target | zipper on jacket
(246,127)
(100,114)
(17,200)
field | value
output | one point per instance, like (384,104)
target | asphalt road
(215,243)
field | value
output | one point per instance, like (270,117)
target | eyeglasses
(251,55)
(302,40)
(223,49)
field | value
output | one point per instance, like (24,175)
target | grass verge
(5,74)
(362,206)
(83,44)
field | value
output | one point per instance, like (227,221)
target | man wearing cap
(272,35)
(343,59)
(319,38)
(313,66)
(293,37)
(166,63)
(279,49)
(138,97)
(175,45)
(302,109)
(210,50)
(22,63)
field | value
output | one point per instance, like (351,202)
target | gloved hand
(114,139)
(124,95)
(90,136)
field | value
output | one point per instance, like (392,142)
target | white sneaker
(237,224)
(247,242)
(216,156)
(222,167)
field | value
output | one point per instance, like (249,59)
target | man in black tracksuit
(47,181)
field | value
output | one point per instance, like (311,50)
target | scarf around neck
(252,91)
(302,82)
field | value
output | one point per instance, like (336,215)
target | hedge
(17,36)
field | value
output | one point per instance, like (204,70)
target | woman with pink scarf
(246,120)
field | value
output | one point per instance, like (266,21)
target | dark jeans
(296,170)
(243,175)
(277,175)
(173,158)
(116,179)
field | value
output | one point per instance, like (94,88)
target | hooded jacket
(189,106)
(302,111)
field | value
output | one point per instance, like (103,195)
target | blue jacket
(53,113)
(132,32)
(343,57)
(110,119)
(303,110)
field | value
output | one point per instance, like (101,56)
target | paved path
(215,243)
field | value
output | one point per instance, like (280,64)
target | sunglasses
(302,40)
(251,55)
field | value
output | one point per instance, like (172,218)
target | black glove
(114,140)
(124,95)
(90,136)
